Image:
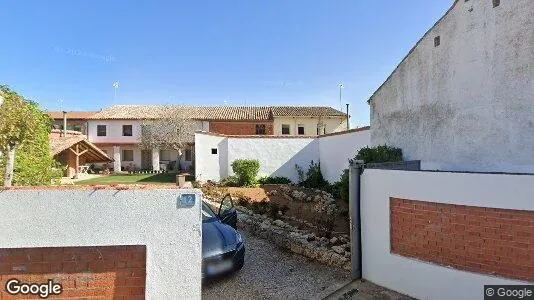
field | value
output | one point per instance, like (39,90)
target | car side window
(226,204)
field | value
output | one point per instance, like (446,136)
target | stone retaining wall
(333,252)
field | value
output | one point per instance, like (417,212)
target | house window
(285,129)
(127,155)
(188,154)
(165,155)
(101,130)
(437,41)
(260,129)
(213,150)
(126,130)
(77,128)
(301,129)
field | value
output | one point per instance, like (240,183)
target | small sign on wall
(186,200)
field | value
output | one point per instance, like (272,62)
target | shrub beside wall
(379,154)
(246,171)
(274,180)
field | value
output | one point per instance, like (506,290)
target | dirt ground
(300,210)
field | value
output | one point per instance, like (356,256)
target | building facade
(463,98)
(117,129)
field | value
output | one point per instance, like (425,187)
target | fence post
(355,171)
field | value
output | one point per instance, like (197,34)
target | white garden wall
(209,166)
(336,150)
(87,217)
(277,155)
(416,278)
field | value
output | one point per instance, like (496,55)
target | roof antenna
(115,87)
(341,87)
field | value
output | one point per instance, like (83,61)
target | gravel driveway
(272,273)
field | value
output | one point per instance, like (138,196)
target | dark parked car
(223,250)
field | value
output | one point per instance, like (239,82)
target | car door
(227,211)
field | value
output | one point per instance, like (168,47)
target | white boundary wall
(336,150)
(277,155)
(416,278)
(83,217)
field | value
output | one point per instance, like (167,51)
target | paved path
(273,273)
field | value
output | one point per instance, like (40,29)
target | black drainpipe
(355,172)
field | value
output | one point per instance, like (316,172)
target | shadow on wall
(301,158)
(222,147)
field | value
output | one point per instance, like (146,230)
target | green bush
(379,154)
(344,186)
(230,181)
(314,176)
(274,180)
(246,171)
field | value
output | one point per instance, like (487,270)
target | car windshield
(207,213)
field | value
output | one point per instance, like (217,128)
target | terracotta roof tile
(59,144)
(125,112)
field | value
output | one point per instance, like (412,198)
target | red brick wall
(111,272)
(239,128)
(478,239)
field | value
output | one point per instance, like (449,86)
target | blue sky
(235,52)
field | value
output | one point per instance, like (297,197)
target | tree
(34,163)
(170,129)
(17,125)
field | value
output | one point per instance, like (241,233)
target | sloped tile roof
(127,112)
(60,143)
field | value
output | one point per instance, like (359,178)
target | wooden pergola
(75,150)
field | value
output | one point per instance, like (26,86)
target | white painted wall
(210,166)
(86,217)
(333,124)
(467,104)
(114,130)
(416,278)
(336,150)
(277,156)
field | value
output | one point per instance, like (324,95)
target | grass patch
(164,178)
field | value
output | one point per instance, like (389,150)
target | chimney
(64,123)
(348,124)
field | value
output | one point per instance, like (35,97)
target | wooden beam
(77,161)
(77,151)
(73,151)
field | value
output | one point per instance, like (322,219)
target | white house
(463,97)
(116,130)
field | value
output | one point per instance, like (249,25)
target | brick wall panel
(117,272)
(478,239)
(239,128)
